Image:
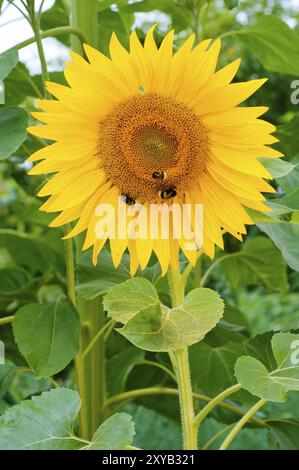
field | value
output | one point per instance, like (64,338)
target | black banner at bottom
(140,458)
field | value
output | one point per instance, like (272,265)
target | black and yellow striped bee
(168,193)
(128,199)
(159,175)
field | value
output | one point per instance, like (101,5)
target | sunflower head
(152,128)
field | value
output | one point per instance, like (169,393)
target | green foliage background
(258,280)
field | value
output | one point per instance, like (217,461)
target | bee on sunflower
(151,126)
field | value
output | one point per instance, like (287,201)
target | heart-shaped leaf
(45,422)
(115,433)
(272,385)
(123,301)
(8,61)
(13,125)
(159,328)
(47,335)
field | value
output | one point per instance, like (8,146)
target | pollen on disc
(150,133)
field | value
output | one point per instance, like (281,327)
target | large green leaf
(47,335)
(180,15)
(8,61)
(159,328)
(7,376)
(258,262)
(283,434)
(288,137)
(272,385)
(110,21)
(119,368)
(58,15)
(212,368)
(125,300)
(42,423)
(285,236)
(29,251)
(97,280)
(277,167)
(46,422)
(116,433)
(275,44)
(13,125)
(13,281)
(18,86)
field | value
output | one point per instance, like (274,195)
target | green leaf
(285,236)
(94,281)
(159,328)
(212,368)
(288,137)
(119,368)
(105,4)
(97,280)
(277,167)
(47,335)
(275,44)
(45,422)
(13,281)
(259,261)
(116,433)
(57,16)
(17,85)
(13,125)
(123,301)
(254,377)
(29,251)
(7,376)
(8,61)
(290,200)
(283,434)
(180,16)
(260,347)
(110,21)
(272,385)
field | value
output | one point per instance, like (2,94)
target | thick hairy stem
(176,284)
(84,18)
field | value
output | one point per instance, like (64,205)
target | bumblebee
(159,175)
(128,199)
(168,193)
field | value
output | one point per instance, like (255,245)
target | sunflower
(153,127)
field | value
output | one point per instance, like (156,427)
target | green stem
(176,284)
(96,338)
(132,394)
(197,273)
(237,428)
(69,259)
(210,406)
(52,33)
(159,366)
(37,33)
(93,319)
(79,362)
(84,18)
(216,436)
(216,263)
(6,320)
(186,399)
